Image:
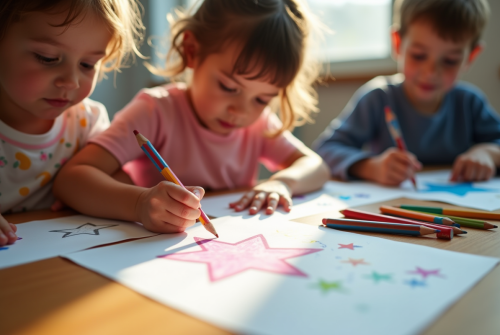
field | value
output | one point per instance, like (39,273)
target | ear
(396,43)
(191,48)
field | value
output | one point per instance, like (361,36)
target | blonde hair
(123,18)
(274,35)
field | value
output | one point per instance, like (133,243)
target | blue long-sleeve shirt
(464,119)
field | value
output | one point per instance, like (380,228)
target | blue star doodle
(457,189)
(416,283)
(88,228)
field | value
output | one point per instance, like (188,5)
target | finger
(180,194)
(7,235)
(470,171)
(458,170)
(181,211)
(272,202)
(482,172)
(13,227)
(257,202)
(286,202)
(244,201)
(199,192)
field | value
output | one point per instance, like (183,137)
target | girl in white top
(51,54)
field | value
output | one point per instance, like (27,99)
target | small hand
(169,208)
(474,165)
(7,232)
(269,194)
(390,168)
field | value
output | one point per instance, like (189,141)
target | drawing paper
(333,195)
(49,238)
(281,277)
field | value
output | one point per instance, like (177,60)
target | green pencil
(466,222)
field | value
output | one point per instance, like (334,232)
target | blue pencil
(379,227)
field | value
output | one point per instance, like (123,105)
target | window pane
(360,29)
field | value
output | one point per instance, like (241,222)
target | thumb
(57,206)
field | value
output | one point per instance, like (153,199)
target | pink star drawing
(426,273)
(356,262)
(228,259)
(348,246)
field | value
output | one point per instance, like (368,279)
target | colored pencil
(446,233)
(395,131)
(379,227)
(168,174)
(416,215)
(466,222)
(466,213)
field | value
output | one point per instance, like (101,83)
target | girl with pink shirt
(244,57)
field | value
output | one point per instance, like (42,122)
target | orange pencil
(169,175)
(416,215)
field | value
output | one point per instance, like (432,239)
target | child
(442,121)
(51,53)
(243,54)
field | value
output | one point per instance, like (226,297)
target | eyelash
(51,61)
(226,89)
(45,60)
(260,101)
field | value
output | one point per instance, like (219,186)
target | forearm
(306,174)
(93,192)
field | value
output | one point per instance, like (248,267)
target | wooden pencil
(466,222)
(446,232)
(168,174)
(379,227)
(466,213)
(416,215)
(397,136)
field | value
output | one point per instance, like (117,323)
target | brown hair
(274,35)
(454,20)
(123,18)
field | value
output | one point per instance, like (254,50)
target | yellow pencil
(169,175)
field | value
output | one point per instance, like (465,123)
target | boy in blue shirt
(442,121)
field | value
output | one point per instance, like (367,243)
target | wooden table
(55,296)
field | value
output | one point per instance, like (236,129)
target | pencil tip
(495,226)
(217,235)
(463,232)
(136,132)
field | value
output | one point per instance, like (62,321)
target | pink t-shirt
(197,156)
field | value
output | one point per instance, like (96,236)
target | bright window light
(359,29)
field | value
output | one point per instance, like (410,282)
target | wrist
(362,169)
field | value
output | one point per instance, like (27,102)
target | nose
(431,68)
(237,108)
(68,78)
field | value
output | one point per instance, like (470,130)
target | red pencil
(446,233)
(395,131)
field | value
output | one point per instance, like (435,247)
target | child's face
(225,102)
(430,64)
(44,70)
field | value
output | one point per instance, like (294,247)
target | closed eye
(87,66)
(262,102)
(226,89)
(45,60)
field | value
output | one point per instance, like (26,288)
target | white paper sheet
(333,195)
(435,186)
(279,277)
(49,238)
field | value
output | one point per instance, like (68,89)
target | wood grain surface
(55,296)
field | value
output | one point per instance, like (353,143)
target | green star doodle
(326,286)
(377,277)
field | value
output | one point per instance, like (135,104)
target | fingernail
(12,235)
(197,193)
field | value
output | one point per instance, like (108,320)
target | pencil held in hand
(395,131)
(168,174)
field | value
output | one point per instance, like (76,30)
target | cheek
(87,84)
(29,84)
(449,77)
